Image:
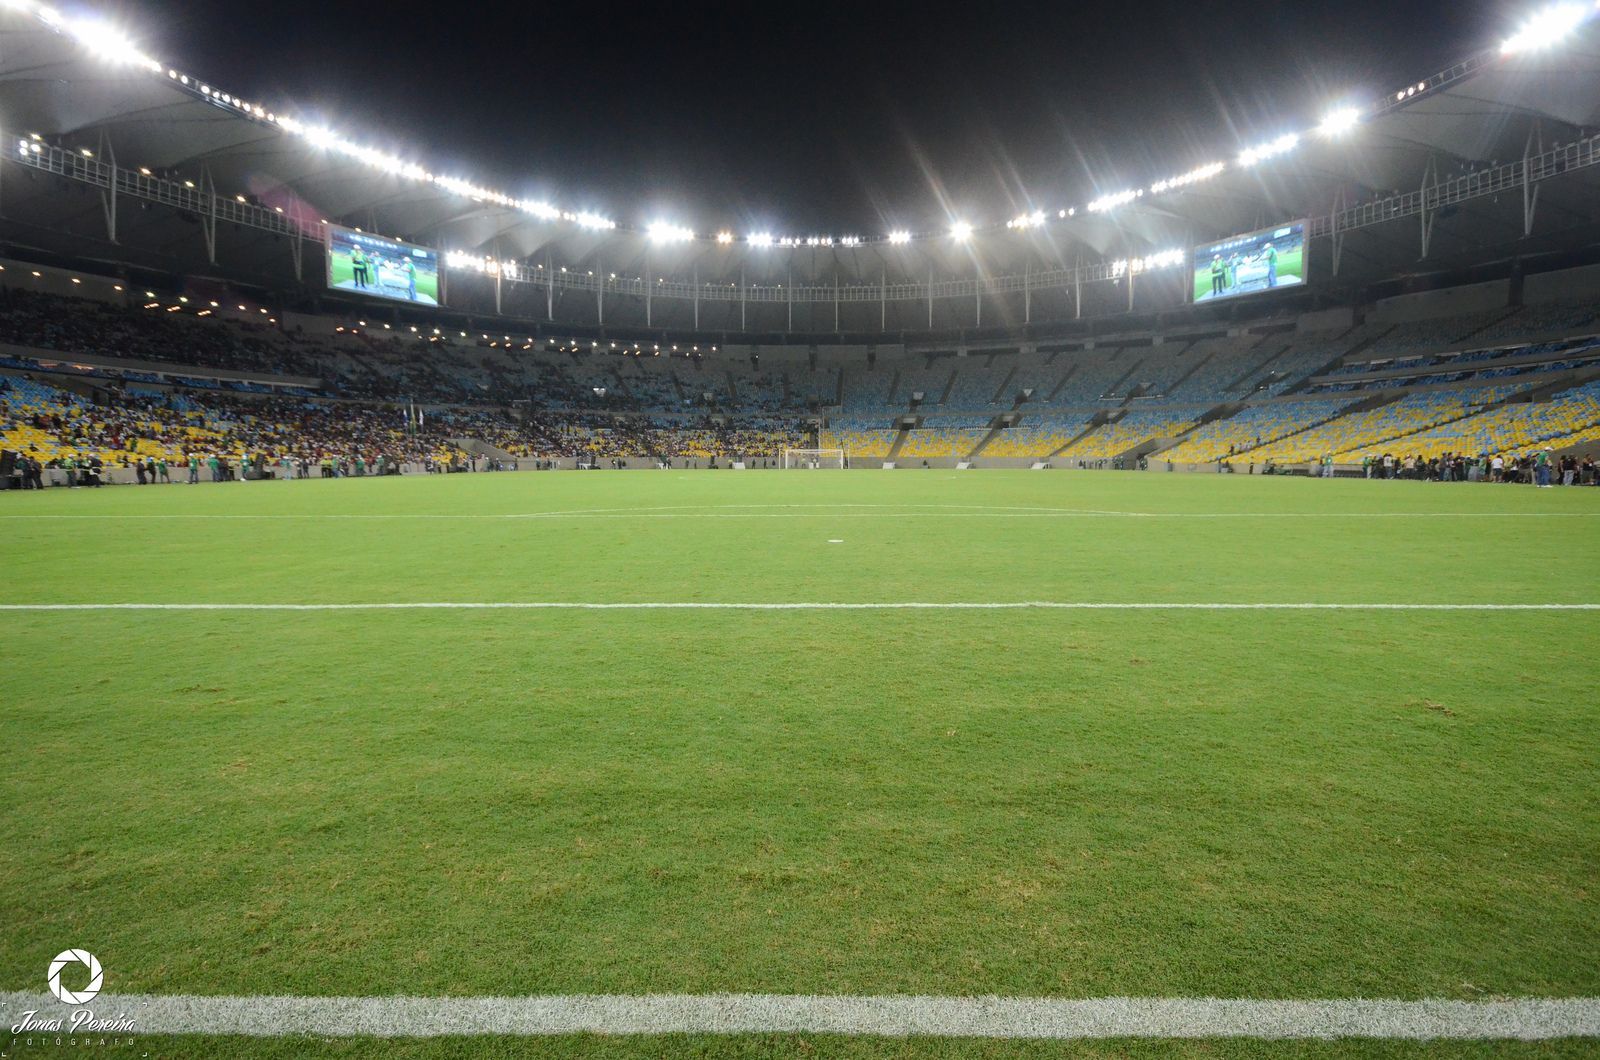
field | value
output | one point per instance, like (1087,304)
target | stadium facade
(1487,165)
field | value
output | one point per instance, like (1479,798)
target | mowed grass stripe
(702,605)
(649,802)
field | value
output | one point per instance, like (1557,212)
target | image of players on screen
(382,268)
(1250,264)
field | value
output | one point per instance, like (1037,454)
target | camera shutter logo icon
(96,976)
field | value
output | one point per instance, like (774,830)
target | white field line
(702,605)
(883,1016)
(797,511)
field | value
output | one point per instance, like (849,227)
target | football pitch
(271,782)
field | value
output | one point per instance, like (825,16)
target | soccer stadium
(1160,619)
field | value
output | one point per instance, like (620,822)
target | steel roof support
(1530,190)
(208,213)
(1335,232)
(108,194)
(499,270)
(1430,183)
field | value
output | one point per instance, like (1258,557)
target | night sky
(800,118)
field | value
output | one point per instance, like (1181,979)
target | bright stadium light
(1027,220)
(1271,149)
(662,232)
(1194,176)
(1339,121)
(724,238)
(900,237)
(1546,28)
(1112,201)
(760,239)
(961,231)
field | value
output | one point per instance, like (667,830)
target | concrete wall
(49,357)
(1341,319)
(1450,301)
(1566,285)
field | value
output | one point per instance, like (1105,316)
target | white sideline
(822,512)
(882,1016)
(697,605)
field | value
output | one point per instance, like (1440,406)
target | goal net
(814,459)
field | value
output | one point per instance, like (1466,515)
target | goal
(813,459)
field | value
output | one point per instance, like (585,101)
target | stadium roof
(1489,111)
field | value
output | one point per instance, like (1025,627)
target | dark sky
(802,117)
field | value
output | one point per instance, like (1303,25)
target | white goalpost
(814,459)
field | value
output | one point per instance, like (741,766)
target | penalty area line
(699,605)
(899,1016)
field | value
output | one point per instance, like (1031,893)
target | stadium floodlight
(1546,28)
(662,232)
(899,237)
(760,239)
(961,231)
(1112,201)
(1271,149)
(1339,121)
(1194,176)
(320,136)
(724,237)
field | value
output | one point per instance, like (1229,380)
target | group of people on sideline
(1541,467)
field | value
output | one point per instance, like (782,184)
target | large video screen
(371,265)
(1251,263)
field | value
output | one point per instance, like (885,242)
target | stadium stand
(124,382)
(1252,428)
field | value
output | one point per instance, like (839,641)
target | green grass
(1250,804)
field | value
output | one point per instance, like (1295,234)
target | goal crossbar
(814,459)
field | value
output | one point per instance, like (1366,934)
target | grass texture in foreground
(1075,804)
